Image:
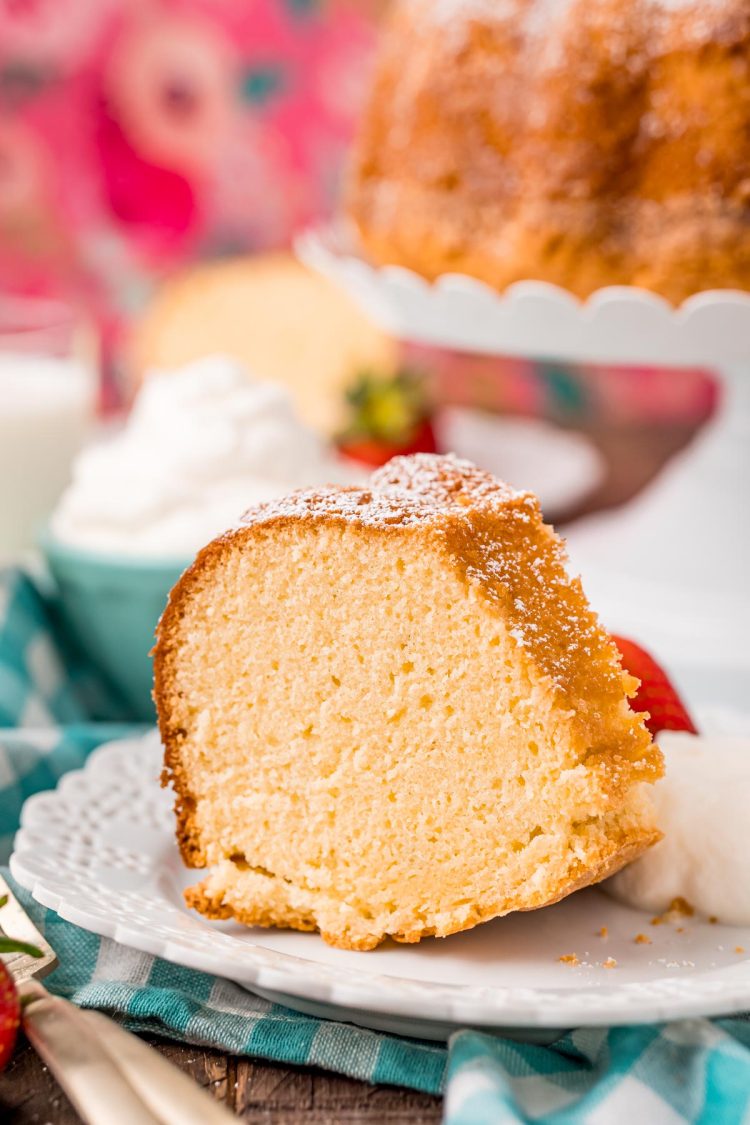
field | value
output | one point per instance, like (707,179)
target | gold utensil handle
(174,1097)
(112,1077)
(86,1071)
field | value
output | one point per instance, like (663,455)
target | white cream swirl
(702,809)
(201,445)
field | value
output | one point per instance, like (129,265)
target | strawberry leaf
(10,945)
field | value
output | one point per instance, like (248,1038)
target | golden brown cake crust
(211,905)
(484,527)
(580,144)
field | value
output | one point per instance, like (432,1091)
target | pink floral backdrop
(138,134)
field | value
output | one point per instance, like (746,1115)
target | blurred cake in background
(583,142)
(285,323)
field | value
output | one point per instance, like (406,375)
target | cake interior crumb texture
(389,712)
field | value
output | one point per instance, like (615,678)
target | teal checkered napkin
(153,995)
(694,1071)
(685,1073)
(44,679)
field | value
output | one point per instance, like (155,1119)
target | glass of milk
(48,389)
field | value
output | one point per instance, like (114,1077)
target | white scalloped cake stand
(100,850)
(672,567)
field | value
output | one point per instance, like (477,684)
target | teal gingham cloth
(53,712)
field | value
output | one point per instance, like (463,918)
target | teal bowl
(109,606)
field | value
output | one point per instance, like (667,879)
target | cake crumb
(610,963)
(642,939)
(739,949)
(712,919)
(681,907)
(603,932)
(569,959)
(680,930)
(678,908)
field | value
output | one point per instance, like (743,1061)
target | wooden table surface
(261,1093)
(280,1095)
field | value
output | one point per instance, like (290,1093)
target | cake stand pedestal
(671,568)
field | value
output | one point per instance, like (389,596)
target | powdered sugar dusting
(454,17)
(687,5)
(541,16)
(449,12)
(406,491)
(444,480)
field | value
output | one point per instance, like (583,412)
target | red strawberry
(370,451)
(10,1006)
(389,415)
(10,1015)
(656,695)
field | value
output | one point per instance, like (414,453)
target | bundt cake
(580,142)
(389,711)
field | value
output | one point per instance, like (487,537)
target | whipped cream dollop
(702,809)
(201,445)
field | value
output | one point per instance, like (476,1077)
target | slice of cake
(276,317)
(390,712)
